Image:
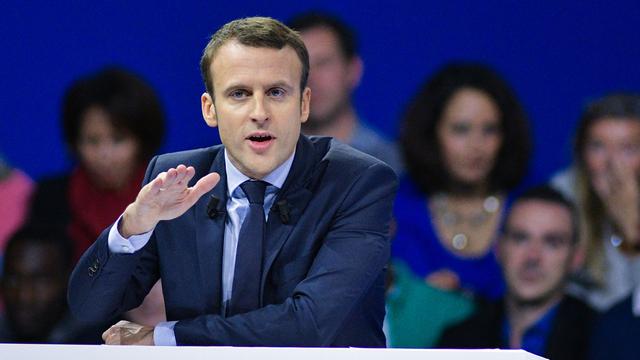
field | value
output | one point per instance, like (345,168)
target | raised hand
(164,198)
(618,189)
(443,279)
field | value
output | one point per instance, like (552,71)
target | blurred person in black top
(34,286)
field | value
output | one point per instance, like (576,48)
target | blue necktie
(248,268)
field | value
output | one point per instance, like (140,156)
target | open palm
(165,198)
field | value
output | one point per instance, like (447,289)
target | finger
(204,185)
(110,336)
(616,173)
(601,185)
(189,173)
(181,172)
(112,339)
(122,323)
(625,173)
(105,335)
(170,178)
(156,184)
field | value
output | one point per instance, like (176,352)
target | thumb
(205,184)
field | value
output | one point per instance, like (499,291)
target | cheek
(226,135)
(88,154)
(494,144)
(595,160)
(451,147)
(557,260)
(634,163)
(126,153)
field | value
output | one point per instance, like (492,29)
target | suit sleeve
(104,284)
(352,256)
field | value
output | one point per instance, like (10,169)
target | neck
(523,314)
(466,190)
(340,126)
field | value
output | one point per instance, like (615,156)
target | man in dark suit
(321,214)
(537,252)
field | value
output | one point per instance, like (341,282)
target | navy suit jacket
(322,276)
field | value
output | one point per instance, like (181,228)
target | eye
(238,94)
(118,138)
(89,140)
(517,237)
(594,145)
(556,241)
(630,149)
(491,129)
(460,128)
(276,92)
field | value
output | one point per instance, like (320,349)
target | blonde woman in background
(607,192)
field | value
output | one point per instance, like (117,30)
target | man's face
(258,106)
(34,288)
(536,250)
(332,77)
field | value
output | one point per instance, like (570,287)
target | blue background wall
(557,55)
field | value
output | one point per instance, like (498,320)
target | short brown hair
(255,32)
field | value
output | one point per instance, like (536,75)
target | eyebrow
(280,83)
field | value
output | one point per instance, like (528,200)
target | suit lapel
(297,192)
(210,237)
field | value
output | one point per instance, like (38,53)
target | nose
(476,140)
(259,113)
(104,149)
(534,253)
(26,293)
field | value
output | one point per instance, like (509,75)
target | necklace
(459,223)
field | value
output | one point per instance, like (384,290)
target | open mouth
(260,142)
(260,137)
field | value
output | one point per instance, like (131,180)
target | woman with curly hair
(466,145)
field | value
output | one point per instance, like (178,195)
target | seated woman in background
(466,145)
(607,191)
(113,123)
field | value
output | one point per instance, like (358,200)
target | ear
(208,110)
(356,68)
(305,105)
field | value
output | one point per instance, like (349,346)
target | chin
(534,297)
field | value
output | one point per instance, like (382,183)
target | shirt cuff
(163,334)
(120,245)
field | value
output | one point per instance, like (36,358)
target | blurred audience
(466,145)
(113,123)
(15,189)
(34,288)
(336,70)
(605,179)
(537,252)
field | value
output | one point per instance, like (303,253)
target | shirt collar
(275,178)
